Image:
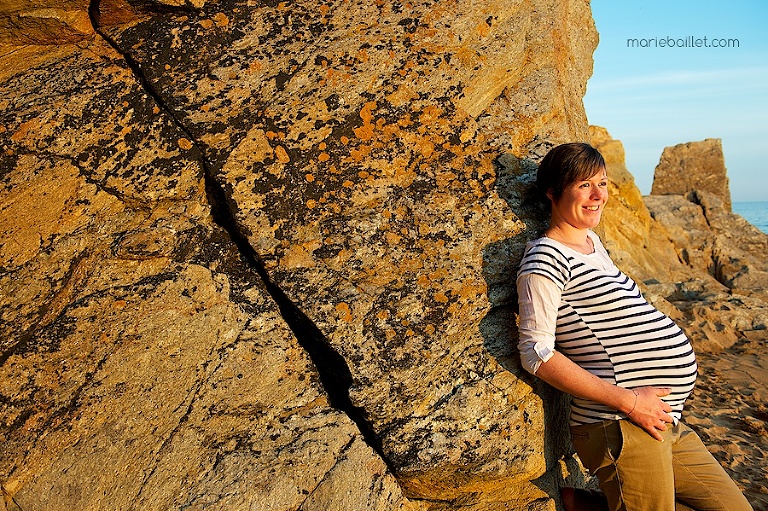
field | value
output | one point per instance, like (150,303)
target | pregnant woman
(586,329)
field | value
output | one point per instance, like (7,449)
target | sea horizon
(754,212)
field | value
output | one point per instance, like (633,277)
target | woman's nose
(599,192)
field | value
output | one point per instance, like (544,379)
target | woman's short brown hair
(566,164)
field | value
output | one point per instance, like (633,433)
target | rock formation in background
(257,254)
(693,166)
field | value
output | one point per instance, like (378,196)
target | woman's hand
(650,412)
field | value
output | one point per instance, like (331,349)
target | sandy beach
(728,409)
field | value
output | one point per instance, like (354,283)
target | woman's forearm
(565,375)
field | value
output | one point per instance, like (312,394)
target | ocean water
(756,213)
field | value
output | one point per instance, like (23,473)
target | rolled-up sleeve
(538,299)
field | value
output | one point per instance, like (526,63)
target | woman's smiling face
(581,204)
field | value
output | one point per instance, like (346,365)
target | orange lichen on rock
(365,132)
(282,155)
(221,19)
(345,313)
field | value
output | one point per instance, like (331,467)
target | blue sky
(652,97)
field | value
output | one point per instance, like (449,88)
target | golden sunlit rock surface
(262,254)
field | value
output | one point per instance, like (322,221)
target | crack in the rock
(333,370)
(335,375)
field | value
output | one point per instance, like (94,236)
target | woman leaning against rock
(586,329)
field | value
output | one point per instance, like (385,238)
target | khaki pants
(638,473)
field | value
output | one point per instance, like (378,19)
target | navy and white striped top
(606,327)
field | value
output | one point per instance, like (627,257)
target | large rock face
(143,365)
(259,254)
(693,166)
